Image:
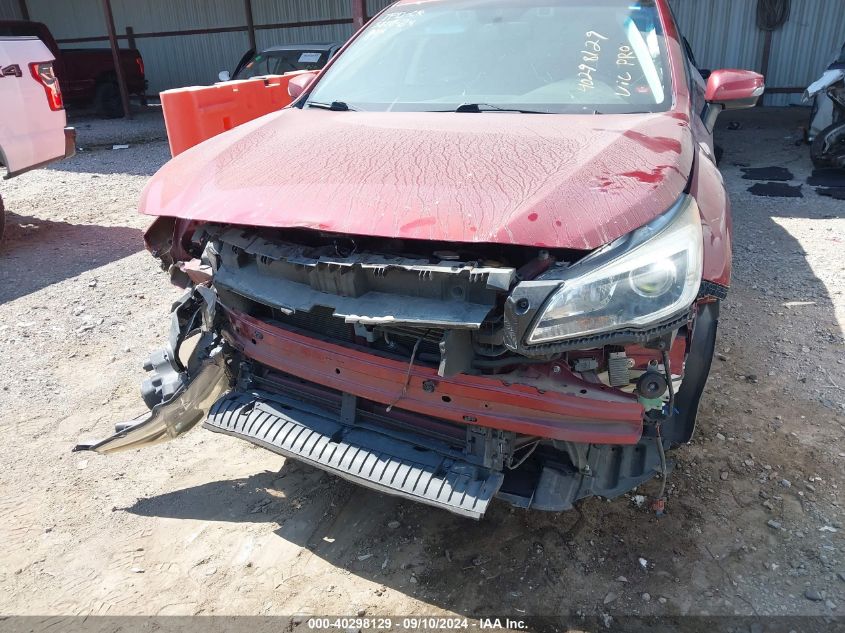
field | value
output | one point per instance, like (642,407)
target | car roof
(315,46)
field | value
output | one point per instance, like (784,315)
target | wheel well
(681,427)
(4,166)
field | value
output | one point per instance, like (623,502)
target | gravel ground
(92,131)
(209,525)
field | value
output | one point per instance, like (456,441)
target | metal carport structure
(82,22)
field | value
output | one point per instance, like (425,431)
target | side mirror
(224,75)
(299,84)
(734,89)
(731,90)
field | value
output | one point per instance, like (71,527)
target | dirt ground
(211,525)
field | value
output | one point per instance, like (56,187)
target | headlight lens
(657,278)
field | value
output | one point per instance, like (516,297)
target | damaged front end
(447,374)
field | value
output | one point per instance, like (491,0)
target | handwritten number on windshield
(592,48)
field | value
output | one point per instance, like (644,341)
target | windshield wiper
(476,108)
(334,106)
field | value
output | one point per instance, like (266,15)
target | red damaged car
(481,255)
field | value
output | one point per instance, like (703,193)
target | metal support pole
(250,24)
(24,10)
(767,58)
(115,53)
(359,13)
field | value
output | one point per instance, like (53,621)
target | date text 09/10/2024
(415,623)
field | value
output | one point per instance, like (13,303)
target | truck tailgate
(31,134)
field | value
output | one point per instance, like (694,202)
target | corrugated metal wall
(374,6)
(275,12)
(10,10)
(84,18)
(805,46)
(723,33)
(190,59)
(172,62)
(169,61)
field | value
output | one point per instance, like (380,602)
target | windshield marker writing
(592,48)
(623,80)
(626,56)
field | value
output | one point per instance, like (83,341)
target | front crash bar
(168,420)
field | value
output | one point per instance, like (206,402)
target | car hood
(559,181)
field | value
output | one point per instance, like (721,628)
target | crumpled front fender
(175,417)
(179,395)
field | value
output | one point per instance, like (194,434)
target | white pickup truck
(33,130)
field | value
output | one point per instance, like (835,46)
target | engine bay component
(393,303)
(651,387)
(618,366)
(361,287)
(584,365)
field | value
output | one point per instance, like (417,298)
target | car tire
(2,218)
(828,145)
(107,101)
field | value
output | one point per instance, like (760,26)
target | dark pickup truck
(86,75)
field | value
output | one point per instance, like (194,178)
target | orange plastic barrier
(195,114)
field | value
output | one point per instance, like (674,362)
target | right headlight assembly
(646,278)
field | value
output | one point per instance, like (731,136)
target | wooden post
(359,13)
(115,53)
(250,24)
(24,10)
(130,38)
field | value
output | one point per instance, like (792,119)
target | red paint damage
(655,176)
(491,178)
(656,144)
(652,177)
